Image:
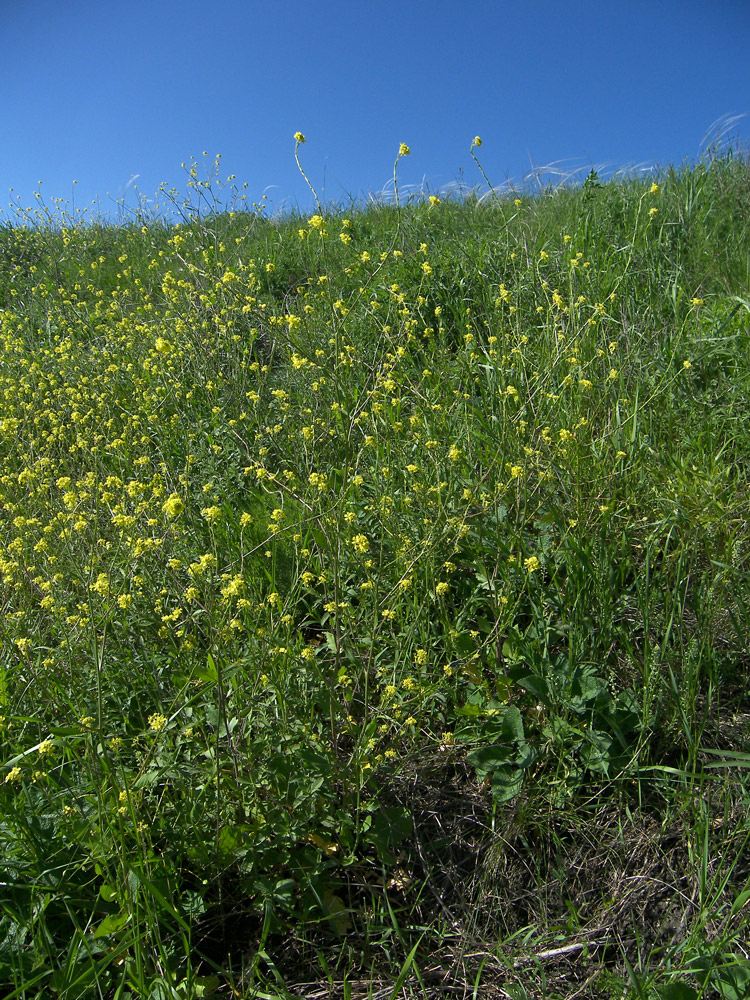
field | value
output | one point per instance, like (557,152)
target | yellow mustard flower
(173,506)
(157,722)
(361,544)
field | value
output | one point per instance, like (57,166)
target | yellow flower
(157,722)
(434,200)
(476,141)
(361,543)
(403,150)
(653,211)
(211,514)
(173,506)
(531,564)
(299,137)
(654,189)
(686,365)
(13,775)
(100,585)
(442,589)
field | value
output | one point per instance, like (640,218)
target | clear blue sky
(96,91)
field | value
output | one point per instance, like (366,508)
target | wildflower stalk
(299,139)
(403,150)
(475,144)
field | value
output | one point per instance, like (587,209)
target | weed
(375,594)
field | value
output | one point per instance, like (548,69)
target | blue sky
(97,92)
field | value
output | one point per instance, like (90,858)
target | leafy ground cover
(375,596)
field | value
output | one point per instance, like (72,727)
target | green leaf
(487,759)
(112,924)
(739,902)
(513,724)
(284,891)
(676,991)
(404,969)
(470,710)
(730,758)
(205,986)
(510,654)
(108,893)
(506,783)
(390,826)
(210,673)
(338,915)
(732,981)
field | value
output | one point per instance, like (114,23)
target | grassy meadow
(375,595)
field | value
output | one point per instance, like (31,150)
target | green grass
(375,596)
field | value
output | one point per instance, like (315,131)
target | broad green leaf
(487,759)
(506,783)
(112,924)
(676,991)
(513,724)
(338,916)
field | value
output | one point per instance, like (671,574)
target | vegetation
(375,596)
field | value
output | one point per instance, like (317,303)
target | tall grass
(375,595)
